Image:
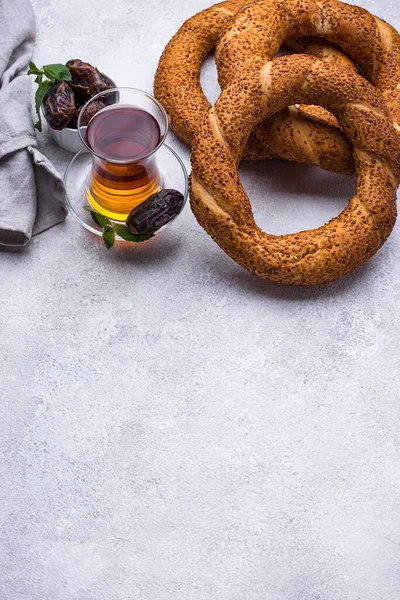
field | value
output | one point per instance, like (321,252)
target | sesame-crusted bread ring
(177,87)
(222,206)
(258,30)
(255,34)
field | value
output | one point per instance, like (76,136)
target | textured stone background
(171,427)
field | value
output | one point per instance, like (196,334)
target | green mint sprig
(110,229)
(54,73)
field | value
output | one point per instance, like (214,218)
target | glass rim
(121,89)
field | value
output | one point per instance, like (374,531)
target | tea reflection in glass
(123,138)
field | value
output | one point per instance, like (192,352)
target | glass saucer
(76,174)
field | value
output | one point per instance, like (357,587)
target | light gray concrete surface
(173,428)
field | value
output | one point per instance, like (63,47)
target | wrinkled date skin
(87,80)
(101,83)
(59,105)
(81,73)
(157,210)
(90,111)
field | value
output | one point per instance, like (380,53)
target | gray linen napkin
(32,195)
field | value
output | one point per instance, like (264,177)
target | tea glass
(123,138)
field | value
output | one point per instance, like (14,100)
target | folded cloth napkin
(32,195)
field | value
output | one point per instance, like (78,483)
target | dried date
(89,112)
(157,210)
(101,83)
(59,105)
(87,81)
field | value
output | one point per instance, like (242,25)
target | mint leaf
(34,70)
(108,236)
(39,79)
(97,217)
(110,229)
(127,234)
(57,72)
(100,219)
(40,96)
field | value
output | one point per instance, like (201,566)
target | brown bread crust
(252,33)
(222,206)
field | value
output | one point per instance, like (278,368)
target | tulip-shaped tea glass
(123,128)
